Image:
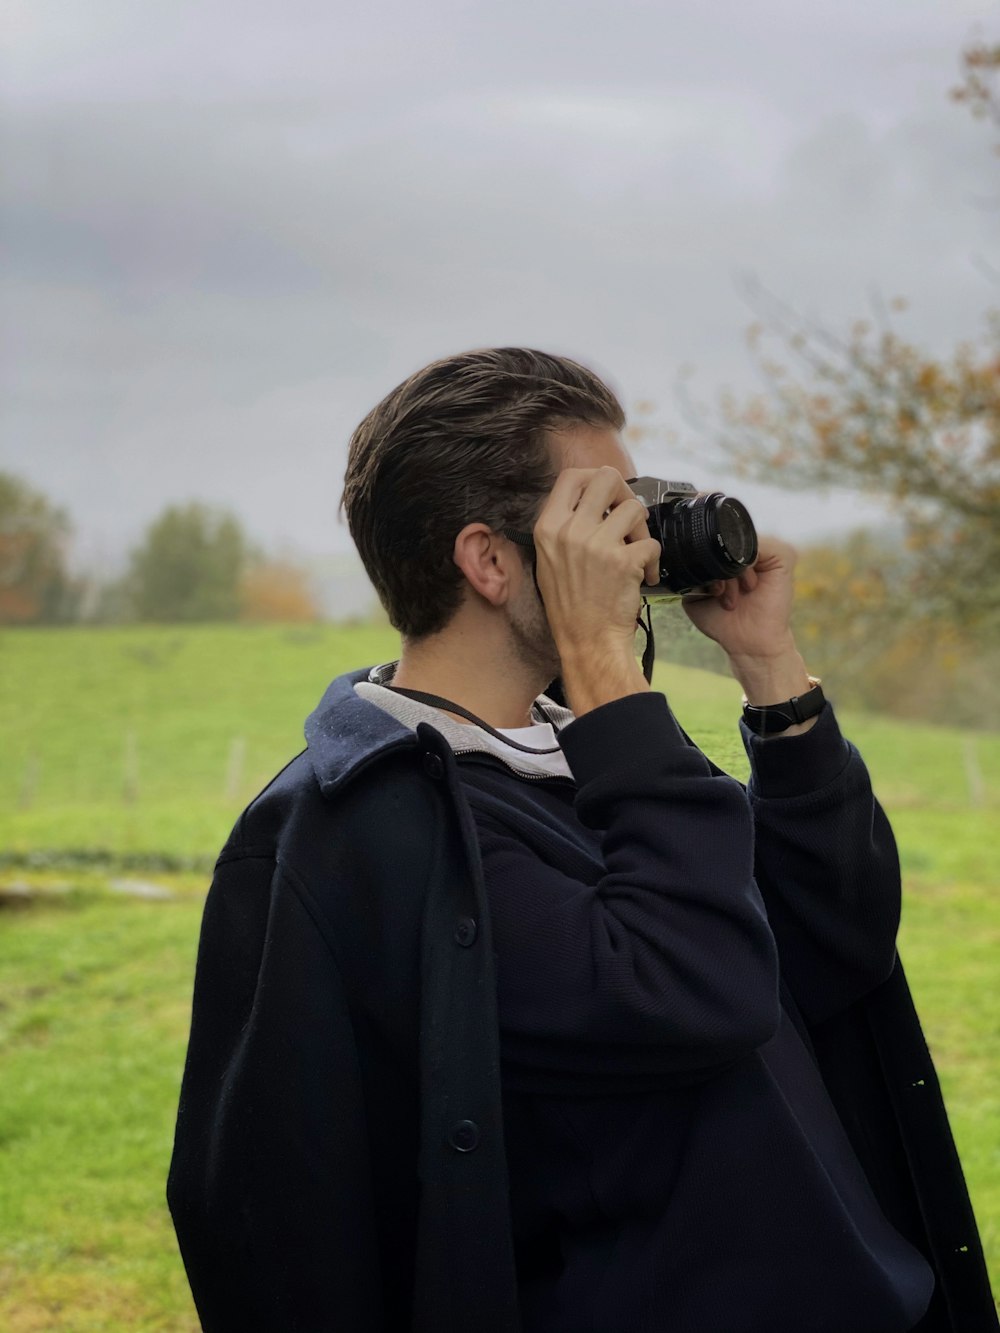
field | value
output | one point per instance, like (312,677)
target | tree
(34,583)
(874,412)
(871,411)
(189,566)
(852,618)
(980,86)
(276,590)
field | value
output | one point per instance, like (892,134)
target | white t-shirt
(464,737)
(540,736)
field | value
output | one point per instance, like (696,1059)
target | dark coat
(339,1157)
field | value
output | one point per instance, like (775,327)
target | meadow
(125,756)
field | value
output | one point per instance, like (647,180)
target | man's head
(469,445)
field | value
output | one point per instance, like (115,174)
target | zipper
(528,777)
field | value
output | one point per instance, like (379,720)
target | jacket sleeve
(268,1185)
(665,966)
(826,864)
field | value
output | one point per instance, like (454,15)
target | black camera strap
(436,701)
(649,651)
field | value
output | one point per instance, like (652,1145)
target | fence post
(973,773)
(29,783)
(130,771)
(234,768)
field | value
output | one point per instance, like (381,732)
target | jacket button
(434,765)
(464,1136)
(466,931)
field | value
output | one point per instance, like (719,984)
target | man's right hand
(593,550)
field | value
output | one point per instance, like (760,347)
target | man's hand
(593,550)
(749,618)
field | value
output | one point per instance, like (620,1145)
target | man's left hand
(749,618)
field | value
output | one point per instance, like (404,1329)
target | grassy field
(145,742)
(128,753)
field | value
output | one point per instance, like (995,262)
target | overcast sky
(231,228)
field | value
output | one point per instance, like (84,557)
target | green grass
(95,1008)
(95,988)
(75,702)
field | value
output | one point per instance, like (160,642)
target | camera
(703,536)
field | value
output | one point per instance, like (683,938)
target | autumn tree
(876,413)
(276,590)
(979,89)
(189,566)
(872,411)
(853,617)
(34,583)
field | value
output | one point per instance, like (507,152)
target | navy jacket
(339,1160)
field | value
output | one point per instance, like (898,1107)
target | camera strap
(649,651)
(436,701)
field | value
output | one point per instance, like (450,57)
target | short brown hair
(461,441)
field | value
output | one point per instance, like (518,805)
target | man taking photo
(512,1011)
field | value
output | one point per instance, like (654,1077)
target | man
(515,1015)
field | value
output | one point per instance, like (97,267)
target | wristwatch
(773,719)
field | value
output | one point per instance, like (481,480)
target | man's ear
(486,559)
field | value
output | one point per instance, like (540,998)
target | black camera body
(703,536)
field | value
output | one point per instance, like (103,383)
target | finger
(626,522)
(629,520)
(748,580)
(730,594)
(564,496)
(651,568)
(606,489)
(646,553)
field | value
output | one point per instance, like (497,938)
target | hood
(345,732)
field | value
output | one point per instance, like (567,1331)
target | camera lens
(736,536)
(707,537)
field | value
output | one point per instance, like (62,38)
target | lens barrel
(702,538)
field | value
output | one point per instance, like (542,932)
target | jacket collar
(345,733)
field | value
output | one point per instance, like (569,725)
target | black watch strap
(773,719)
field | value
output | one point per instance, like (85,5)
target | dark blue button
(466,931)
(464,1136)
(434,765)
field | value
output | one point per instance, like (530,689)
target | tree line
(862,616)
(193,563)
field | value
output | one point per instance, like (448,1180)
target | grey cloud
(226,244)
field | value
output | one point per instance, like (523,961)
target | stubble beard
(532,644)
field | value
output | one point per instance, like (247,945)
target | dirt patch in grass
(77,1301)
